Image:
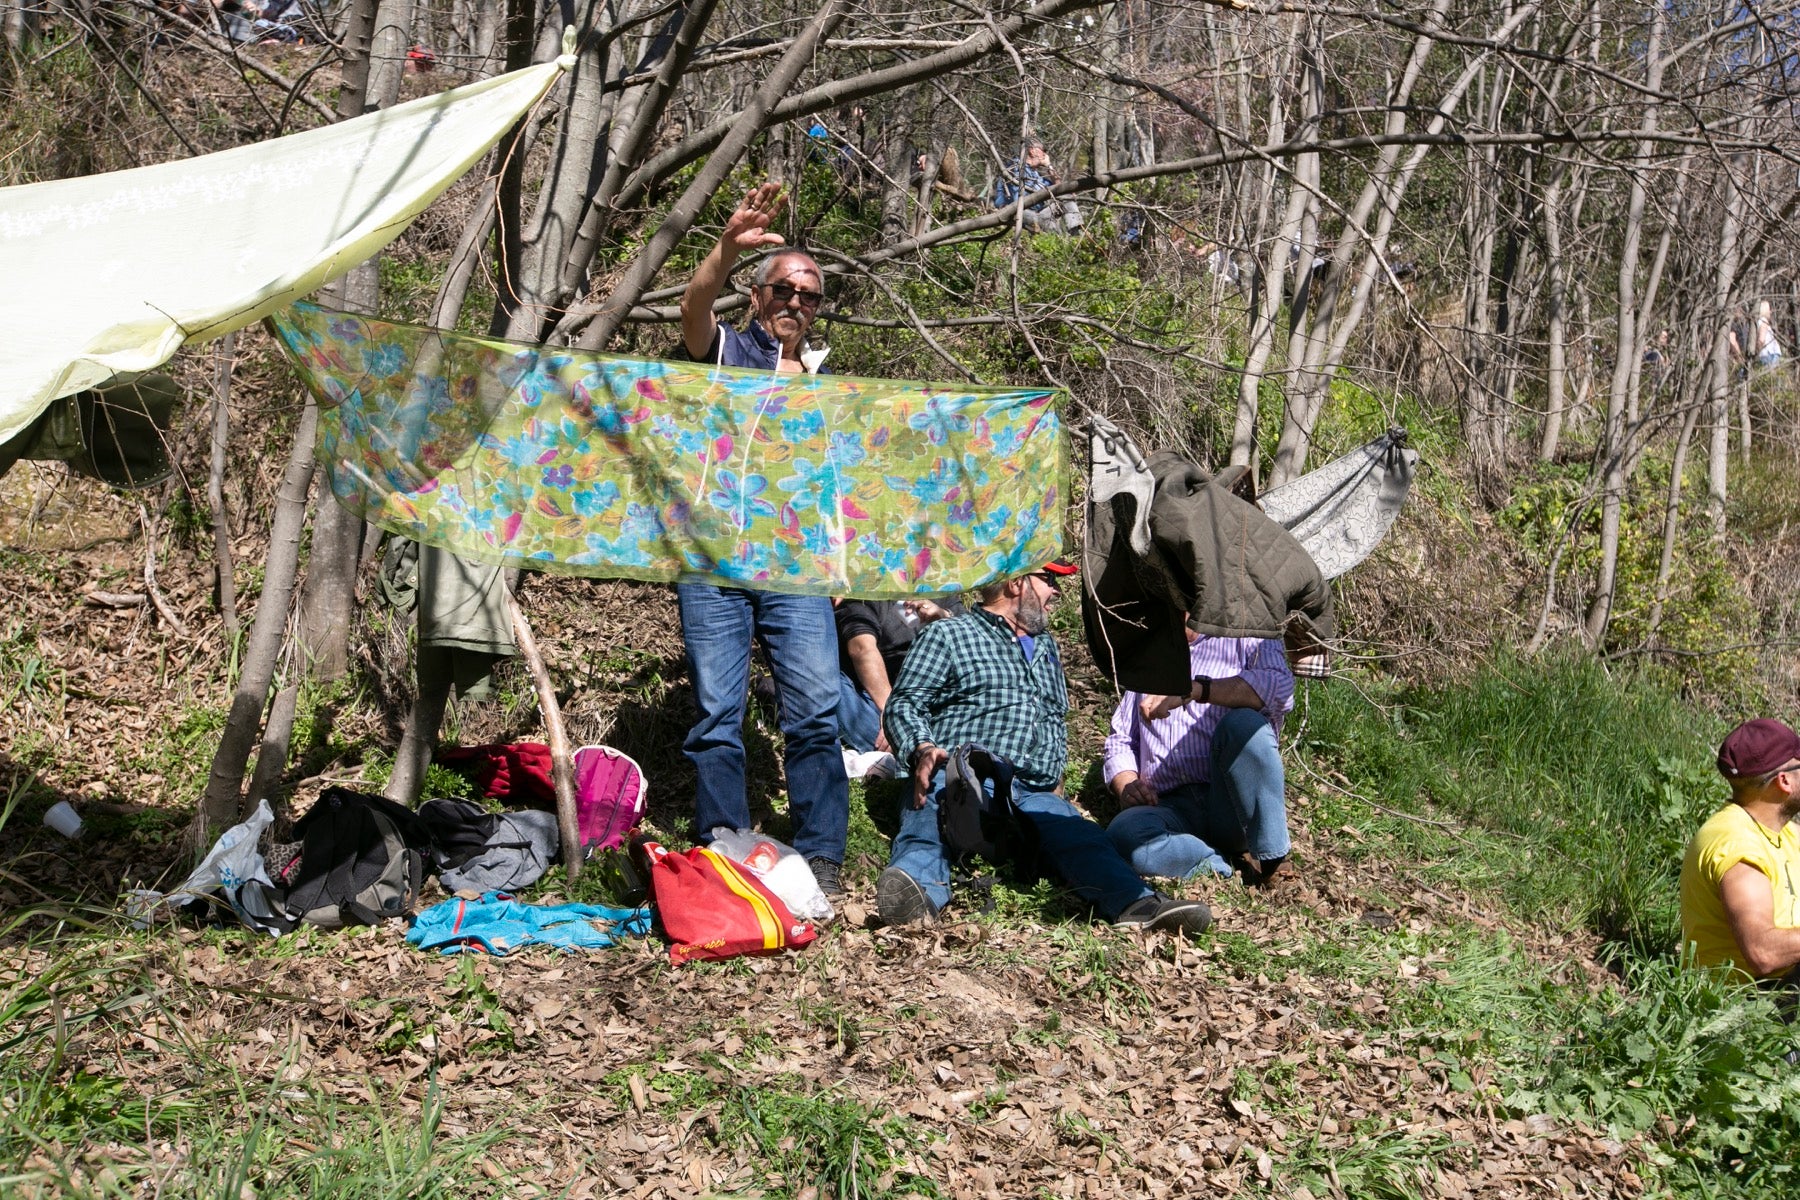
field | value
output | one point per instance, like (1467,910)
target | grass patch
(169,1111)
(1587,787)
(1694,1061)
(799,1136)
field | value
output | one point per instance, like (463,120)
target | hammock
(584,464)
(112,273)
(1342,510)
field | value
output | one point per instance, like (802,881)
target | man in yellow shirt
(1740,878)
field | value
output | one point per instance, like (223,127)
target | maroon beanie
(1757,748)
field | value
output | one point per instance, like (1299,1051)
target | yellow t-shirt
(1729,837)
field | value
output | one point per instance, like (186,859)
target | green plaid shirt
(966,680)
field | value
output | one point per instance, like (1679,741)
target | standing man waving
(719,624)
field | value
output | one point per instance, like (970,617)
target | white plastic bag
(233,862)
(779,866)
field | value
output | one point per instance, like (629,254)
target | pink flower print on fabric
(601,466)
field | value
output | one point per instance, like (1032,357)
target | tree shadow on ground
(117,844)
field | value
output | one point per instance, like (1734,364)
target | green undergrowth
(1536,792)
(1546,792)
(1569,792)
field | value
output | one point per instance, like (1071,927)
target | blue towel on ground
(499,925)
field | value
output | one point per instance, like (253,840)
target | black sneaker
(826,872)
(1166,913)
(901,900)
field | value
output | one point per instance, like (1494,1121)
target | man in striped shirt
(993,677)
(1199,777)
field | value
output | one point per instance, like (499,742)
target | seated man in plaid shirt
(993,677)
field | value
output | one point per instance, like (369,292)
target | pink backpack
(609,796)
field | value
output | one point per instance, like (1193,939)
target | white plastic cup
(63,818)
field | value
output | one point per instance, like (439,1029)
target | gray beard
(1032,617)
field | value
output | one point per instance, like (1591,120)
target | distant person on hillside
(719,625)
(993,677)
(1740,878)
(1765,346)
(1032,171)
(1656,361)
(1199,777)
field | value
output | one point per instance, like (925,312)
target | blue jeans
(717,625)
(859,721)
(1071,845)
(1243,807)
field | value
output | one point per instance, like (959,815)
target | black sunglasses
(784,292)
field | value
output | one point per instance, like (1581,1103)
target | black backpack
(361,860)
(971,822)
(458,830)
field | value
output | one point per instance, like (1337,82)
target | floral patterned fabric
(558,460)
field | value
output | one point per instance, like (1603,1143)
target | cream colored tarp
(113,273)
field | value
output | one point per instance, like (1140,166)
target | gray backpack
(360,861)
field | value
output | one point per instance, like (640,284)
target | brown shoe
(1272,875)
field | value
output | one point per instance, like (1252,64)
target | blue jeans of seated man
(718,625)
(859,721)
(1070,844)
(1192,828)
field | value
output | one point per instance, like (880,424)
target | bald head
(781,260)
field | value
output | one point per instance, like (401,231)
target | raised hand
(748,229)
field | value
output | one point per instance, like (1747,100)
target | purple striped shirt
(1178,748)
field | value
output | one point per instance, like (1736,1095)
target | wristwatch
(1205,682)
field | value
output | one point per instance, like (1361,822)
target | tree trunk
(224,581)
(1671,526)
(1269,278)
(272,755)
(527,309)
(1724,283)
(433,675)
(1556,335)
(635,121)
(220,805)
(328,595)
(562,756)
(1615,445)
(1386,187)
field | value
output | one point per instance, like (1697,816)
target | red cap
(1757,748)
(1060,566)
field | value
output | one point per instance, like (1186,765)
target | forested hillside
(1552,242)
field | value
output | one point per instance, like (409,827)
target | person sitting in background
(1740,877)
(993,678)
(1199,777)
(1030,172)
(1765,346)
(873,639)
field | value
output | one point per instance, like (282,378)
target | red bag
(516,773)
(712,907)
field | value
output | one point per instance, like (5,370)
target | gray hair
(990,592)
(766,267)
